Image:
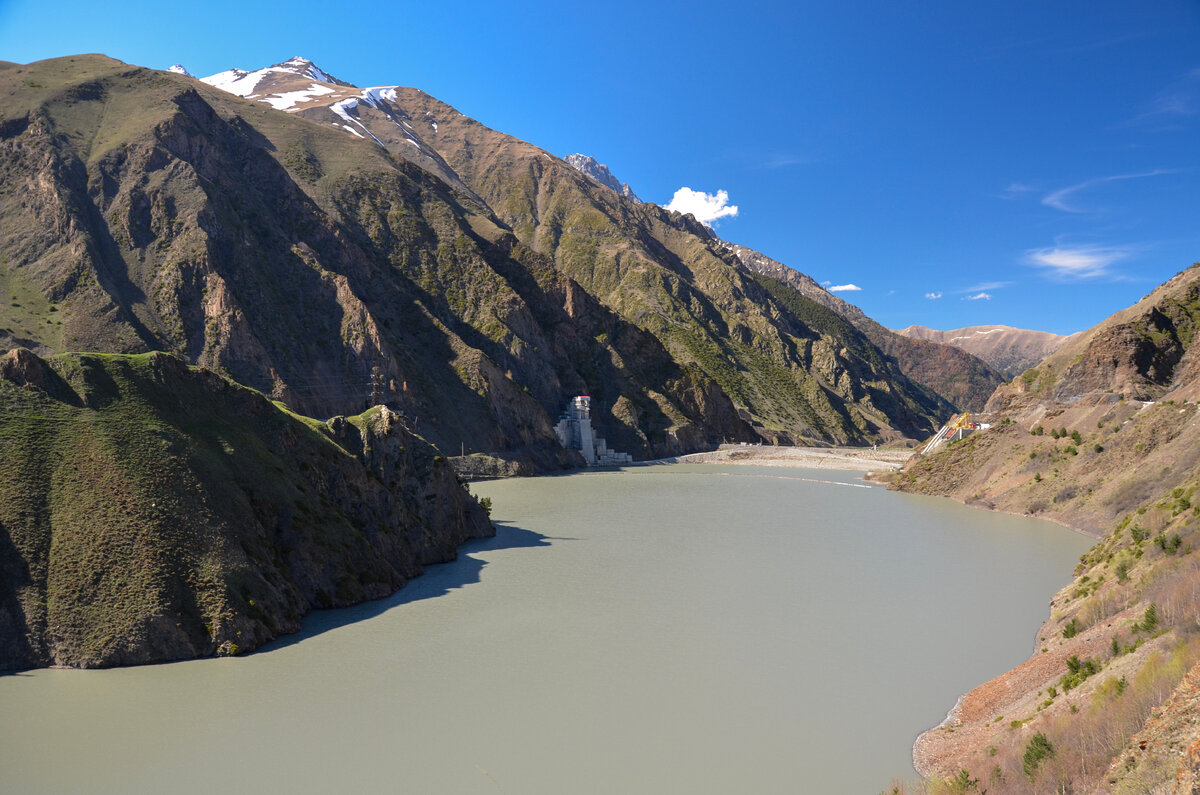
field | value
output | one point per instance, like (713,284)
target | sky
(942,163)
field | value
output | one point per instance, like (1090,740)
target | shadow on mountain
(439,579)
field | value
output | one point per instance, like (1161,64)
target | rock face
(963,380)
(599,172)
(1104,436)
(1007,349)
(153,511)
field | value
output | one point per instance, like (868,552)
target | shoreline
(862,459)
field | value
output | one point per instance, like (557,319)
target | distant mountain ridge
(1009,350)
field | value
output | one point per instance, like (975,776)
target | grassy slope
(152,511)
(1128,472)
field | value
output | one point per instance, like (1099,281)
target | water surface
(646,630)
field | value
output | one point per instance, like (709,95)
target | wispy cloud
(1016,190)
(1070,263)
(933,296)
(985,286)
(706,207)
(843,288)
(1180,99)
(785,160)
(1059,198)
(978,297)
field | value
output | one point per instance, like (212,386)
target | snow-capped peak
(302,66)
(179,70)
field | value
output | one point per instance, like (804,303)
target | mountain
(664,272)
(153,511)
(379,228)
(1103,436)
(1009,350)
(587,164)
(145,211)
(965,381)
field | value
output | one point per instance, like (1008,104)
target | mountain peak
(588,165)
(244,84)
(179,70)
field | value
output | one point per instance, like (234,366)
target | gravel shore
(856,458)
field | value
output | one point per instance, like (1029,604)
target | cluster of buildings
(574,429)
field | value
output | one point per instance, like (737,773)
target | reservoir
(679,628)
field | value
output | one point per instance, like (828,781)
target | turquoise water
(646,630)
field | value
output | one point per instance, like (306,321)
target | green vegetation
(170,491)
(1039,750)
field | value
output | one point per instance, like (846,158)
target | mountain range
(380,228)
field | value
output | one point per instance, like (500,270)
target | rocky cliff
(1104,436)
(153,511)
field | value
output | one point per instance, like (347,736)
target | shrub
(1149,620)
(1076,438)
(1071,629)
(1099,448)
(486,504)
(1038,431)
(1122,570)
(1038,750)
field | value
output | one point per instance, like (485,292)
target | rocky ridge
(153,511)
(587,164)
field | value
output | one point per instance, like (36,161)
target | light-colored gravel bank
(856,458)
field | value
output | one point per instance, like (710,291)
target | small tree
(1038,750)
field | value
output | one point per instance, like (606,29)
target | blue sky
(1027,163)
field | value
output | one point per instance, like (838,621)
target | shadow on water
(439,579)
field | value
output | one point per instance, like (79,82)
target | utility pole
(376,387)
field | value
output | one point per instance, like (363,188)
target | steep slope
(663,272)
(962,380)
(1104,436)
(1007,349)
(153,511)
(148,211)
(586,164)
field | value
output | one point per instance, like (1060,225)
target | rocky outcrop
(153,511)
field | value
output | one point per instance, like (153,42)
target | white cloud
(979,297)
(1059,198)
(842,288)
(706,207)
(1077,262)
(933,296)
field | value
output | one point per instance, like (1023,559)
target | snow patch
(343,109)
(236,81)
(289,99)
(351,129)
(179,70)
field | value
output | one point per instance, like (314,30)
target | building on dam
(574,429)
